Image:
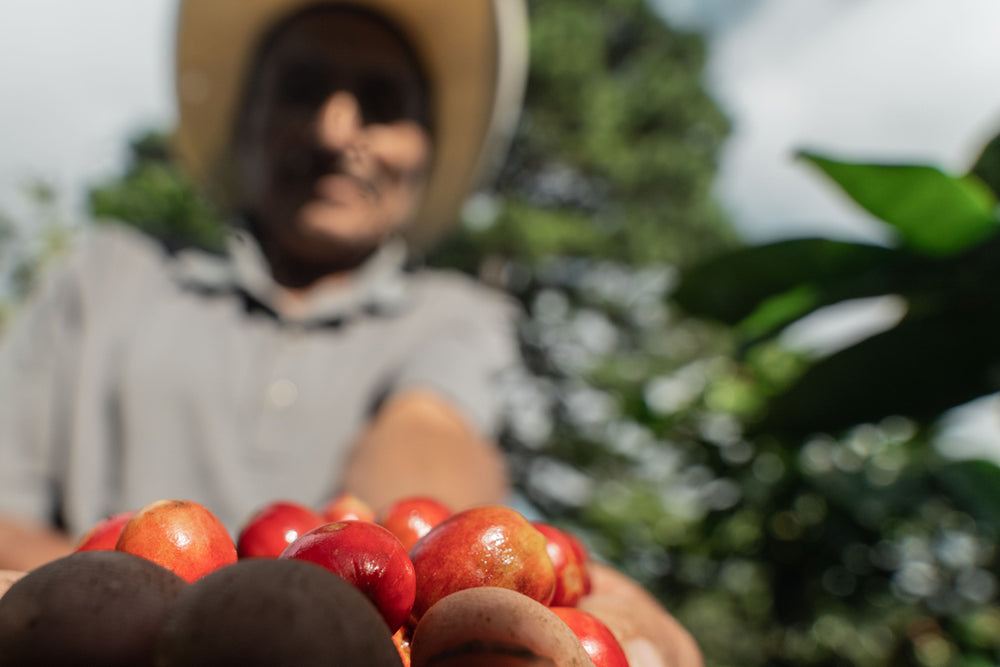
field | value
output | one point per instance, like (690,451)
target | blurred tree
(605,193)
(615,156)
(23,256)
(902,568)
(155,195)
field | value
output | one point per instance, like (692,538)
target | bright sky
(892,79)
(76,79)
(907,80)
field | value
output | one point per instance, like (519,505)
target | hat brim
(474,53)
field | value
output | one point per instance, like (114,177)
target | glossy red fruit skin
(273,527)
(369,557)
(347,507)
(599,642)
(410,519)
(483,546)
(181,535)
(583,555)
(569,569)
(103,536)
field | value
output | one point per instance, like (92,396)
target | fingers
(7,579)
(650,636)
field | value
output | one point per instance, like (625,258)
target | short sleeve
(37,361)
(53,368)
(463,352)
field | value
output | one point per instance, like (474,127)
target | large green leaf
(778,311)
(789,278)
(919,369)
(933,212)
(987,165)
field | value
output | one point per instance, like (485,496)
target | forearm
(25,546)
(419,445)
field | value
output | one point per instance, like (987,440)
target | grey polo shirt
(134,375)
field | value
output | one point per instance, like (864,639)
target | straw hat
(474,53)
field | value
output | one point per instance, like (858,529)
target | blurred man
(308,359)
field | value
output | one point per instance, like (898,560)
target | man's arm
(418,444)
(36,355)
(25,546)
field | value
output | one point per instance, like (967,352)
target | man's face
(332,156)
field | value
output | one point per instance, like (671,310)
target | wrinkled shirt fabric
(134,374)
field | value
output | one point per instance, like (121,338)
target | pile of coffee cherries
(416,584)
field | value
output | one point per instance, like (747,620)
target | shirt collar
(377,286)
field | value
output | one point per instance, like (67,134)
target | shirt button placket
(282,393)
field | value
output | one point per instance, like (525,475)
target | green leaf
(987,165)
(919,369)
(933,212)
(779,310)
(799,275)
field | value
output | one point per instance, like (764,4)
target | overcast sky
(76,77)
(881,79)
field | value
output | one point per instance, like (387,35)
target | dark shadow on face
(321,185)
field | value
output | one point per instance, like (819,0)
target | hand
(7,579)
(419,444)
(25,545)
(650,636)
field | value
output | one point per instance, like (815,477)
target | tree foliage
(155,195)
(944,266)
(924,526)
